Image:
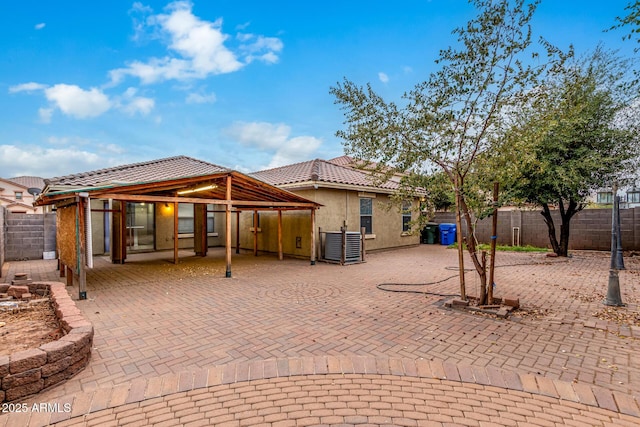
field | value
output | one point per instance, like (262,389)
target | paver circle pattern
(301,293)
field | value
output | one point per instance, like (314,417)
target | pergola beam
(248,204)
(227,236)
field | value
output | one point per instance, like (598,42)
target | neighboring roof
(321,171)
(28,181)
(154,170)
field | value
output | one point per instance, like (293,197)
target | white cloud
(199,45)
(132,104)
(196,47)
(139,105)
(46,162)
(384,78)
(77,102)
(260,48)
(201,98)
(260,134)
(295,150)
(27,87)
(274,138)
(40,26)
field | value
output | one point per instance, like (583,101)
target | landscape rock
(17,291)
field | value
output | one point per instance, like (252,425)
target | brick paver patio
(287,343)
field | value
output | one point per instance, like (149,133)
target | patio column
(175,232)
(280,257)
(201,243)
(118,232)
(238,232)
(255,233)
(81,247)
(313,236)
(228,227)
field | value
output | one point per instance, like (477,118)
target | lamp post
(613,290)
(619,257)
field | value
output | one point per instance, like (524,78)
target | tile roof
(342,160)
(320,171)
(154,170)
(28,181)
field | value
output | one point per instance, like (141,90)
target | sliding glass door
(140,227)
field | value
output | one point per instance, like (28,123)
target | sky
(86,85)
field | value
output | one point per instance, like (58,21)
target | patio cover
(231,189)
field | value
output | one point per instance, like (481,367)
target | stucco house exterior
(350,198)
(15,194)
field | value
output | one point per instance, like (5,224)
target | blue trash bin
(447,234)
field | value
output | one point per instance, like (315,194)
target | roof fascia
(307,185)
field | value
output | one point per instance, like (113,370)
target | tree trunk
(471,247)
(551,228)
(561,248)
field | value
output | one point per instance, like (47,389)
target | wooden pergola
(234,191)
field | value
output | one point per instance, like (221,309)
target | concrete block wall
(49,232)
(2,233)
(590,228)
(27,236)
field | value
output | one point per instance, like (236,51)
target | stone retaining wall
(31,371)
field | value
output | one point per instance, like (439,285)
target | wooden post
(200,239)
(494,239)
(255,233)
(69,275)
(363,232)
(118,232)
(61,267)
(175,232)
(80,241)
(280,255)
(238,232)
(313,236)
(227,236)
(123,231)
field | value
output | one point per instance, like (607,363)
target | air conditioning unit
(352,248)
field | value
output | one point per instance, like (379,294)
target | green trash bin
(430,233)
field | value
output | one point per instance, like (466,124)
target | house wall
(590,228)
(163,229)
(8,199)
(340,208)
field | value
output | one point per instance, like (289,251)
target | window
(633,197)
(366,213)
(210,222)
(605,197)
(186,223)
(18,195)
(185,218)
(406,216)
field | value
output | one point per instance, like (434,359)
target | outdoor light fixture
(195,190)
